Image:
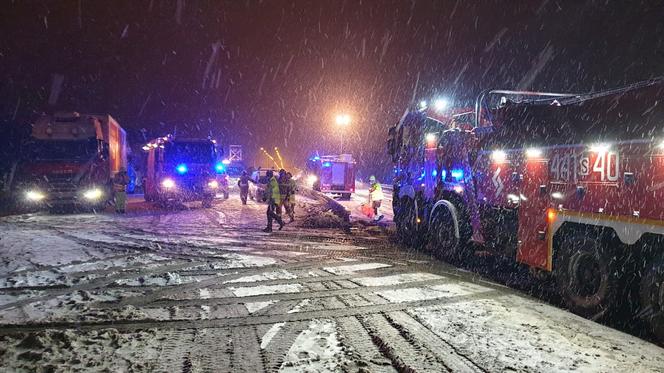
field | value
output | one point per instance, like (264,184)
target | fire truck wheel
(442,233)
(651,294)
(587,273)
(406,224)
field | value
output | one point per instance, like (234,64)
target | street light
(441,104)
(343,120)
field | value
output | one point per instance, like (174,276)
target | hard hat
(372,179)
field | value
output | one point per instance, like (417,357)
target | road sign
(235,153)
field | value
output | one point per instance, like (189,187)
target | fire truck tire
(406,224)
(443,237)
(651,294)
(587,273)
(442,233)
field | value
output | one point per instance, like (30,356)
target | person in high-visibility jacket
(273,199)
(120,182)
(375,197)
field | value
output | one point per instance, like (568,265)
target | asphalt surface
(188,289)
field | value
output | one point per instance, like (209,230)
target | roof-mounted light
(533,153)
(499,156)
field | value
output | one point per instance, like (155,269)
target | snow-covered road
(194,289)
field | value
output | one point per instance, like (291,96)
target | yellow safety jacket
(273,190)
(375,192)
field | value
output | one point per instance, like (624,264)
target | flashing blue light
(316,158)
(327,164)
(443,174)
(434,173)
(219,167)
(457,174)
(182,169)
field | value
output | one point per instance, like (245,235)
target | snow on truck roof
(628,113)
(74,126)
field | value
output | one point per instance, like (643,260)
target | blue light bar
(219,167)
(182,169)
(457,174)
(327,164)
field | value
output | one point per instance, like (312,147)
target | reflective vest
(273,190)
(375,192)
(120,183)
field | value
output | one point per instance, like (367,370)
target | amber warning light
(550,215)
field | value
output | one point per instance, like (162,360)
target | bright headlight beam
(213,184)
(168,183)
(92,194)
(33,195)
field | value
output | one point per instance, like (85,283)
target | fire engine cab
(184,170)
(570,185)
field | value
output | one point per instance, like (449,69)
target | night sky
(275,73)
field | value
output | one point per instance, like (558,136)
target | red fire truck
(184,170)
(71,160)
(334,174)
(570,185)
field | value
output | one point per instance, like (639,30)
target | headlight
(312,179)
(213,184)
(93,194)
(34,195)
(168,183)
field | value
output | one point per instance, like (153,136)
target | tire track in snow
(246,321)
(405,355)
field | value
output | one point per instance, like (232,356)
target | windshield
(192,152)
(62,150)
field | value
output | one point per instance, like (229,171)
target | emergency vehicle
(184,170)
(334,174)
(70,160)
(413,146)
(570,185)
